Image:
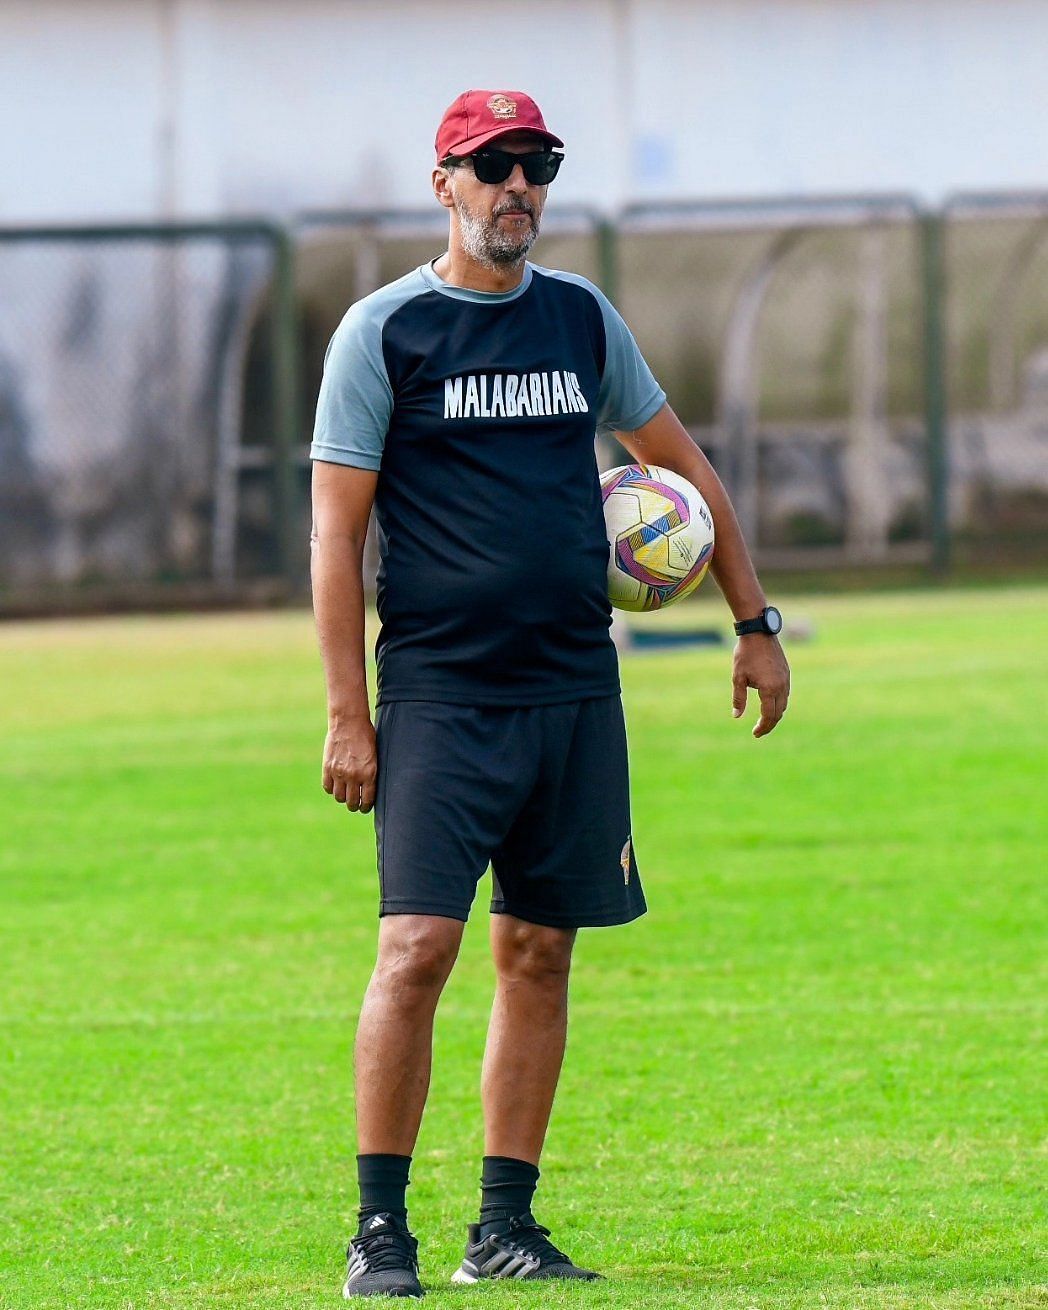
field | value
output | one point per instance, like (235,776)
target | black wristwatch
(768,621)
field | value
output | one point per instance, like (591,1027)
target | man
(463,400)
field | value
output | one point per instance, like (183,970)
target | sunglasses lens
(492,165)
(540,167)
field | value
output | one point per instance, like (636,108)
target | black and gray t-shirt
(479,411)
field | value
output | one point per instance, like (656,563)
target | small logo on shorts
(624,861)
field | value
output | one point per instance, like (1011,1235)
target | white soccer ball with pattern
(660,536)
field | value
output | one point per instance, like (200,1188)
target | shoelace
(529,1235)
(389,1250)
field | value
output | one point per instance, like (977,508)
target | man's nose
(517,183)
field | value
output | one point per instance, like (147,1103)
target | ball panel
(637,553)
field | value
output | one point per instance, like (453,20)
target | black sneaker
(520,1250)
(382,1260)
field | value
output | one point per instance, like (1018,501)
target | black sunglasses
(491,165)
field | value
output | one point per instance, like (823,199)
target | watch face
(773,620)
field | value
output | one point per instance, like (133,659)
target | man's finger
(339,790)
(738,695)
(353,796)
(771,712)
(327,780)
(367,797)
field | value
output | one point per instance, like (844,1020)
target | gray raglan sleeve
(356,399)
(629,394)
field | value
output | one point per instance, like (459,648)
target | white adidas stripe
(357,1265)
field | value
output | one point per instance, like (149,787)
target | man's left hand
(759,662)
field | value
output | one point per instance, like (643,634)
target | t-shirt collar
(467,293)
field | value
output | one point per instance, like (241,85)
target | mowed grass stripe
(813,1075)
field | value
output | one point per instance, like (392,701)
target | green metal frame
(285,334)
(283,340)
(1031,205)
(933,272)
(814,211)
(284,326)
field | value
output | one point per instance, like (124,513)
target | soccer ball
(660,534)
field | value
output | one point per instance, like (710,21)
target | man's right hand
(350,763)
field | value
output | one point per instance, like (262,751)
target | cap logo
(502,106)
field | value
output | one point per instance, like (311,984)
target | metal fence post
(284,345)
(739,383)
(608,258)
(932,227)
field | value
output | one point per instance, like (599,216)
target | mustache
(518,207)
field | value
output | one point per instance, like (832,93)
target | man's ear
(442,187)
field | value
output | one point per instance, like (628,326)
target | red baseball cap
(478,117)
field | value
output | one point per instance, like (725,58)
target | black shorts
(541,793)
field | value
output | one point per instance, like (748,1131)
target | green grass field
(810,1077)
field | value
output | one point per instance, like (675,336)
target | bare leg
(394,1046)
(529,1023)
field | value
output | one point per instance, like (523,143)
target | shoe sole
(462,1275)
(400,1296)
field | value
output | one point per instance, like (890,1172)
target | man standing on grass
(463,401)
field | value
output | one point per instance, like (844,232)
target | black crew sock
(507,1189)
(383,1183)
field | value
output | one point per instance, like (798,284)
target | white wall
(145,108)
(79,109)
(742,96)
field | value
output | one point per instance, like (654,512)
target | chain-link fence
(996,263)
(130,360)
(790,337)
(157,384)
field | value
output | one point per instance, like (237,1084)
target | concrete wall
(150,108)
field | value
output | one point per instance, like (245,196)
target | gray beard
(487,243)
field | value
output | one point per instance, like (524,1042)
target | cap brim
(504,129)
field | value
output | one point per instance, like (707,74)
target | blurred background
(822,219)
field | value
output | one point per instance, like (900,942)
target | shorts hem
(546,920)
(439,909)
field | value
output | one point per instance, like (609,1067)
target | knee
(416,962)
(537,957)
